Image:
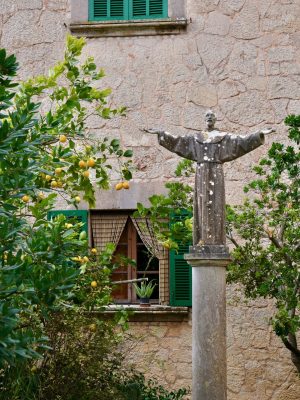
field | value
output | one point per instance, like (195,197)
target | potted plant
(144,292)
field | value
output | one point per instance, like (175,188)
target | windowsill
(139,27)
(153,313)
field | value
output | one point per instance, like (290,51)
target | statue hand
(153,131)
(267,131)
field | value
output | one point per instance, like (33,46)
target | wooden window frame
(131,253)
(131,244)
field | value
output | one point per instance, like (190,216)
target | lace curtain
(146,232)
(107,228)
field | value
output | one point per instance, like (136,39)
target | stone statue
(210,149)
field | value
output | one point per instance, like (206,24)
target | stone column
(209,321)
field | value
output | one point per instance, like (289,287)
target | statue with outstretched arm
(210,149)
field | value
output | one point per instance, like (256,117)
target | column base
(208,256)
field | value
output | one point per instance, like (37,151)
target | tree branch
(290,347)
(233,241)
(282,228)
(279,246)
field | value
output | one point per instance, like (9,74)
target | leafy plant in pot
(144,292)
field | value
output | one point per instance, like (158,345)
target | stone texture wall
(239,57)
(259,367)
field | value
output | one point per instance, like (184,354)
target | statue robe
(209,194)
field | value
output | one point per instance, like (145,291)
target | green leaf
(128,153)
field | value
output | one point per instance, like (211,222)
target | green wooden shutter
(143,9)
(180,271)
(100,10)
(79,215)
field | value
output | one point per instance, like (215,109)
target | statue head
(210,119)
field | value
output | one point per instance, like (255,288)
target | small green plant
(145,290)
(136,387)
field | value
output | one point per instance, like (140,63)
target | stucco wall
(239,57)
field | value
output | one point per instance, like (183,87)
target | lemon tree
(45,152)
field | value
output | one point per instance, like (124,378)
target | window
(101,10)
(134,239)
(118,18)
(147,265)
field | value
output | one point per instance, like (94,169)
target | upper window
(101,10)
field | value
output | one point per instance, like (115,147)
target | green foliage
(137,388)
(19,382)
(185,168)
(47,151)
(266,258)
(293,122)
(81,360)
(97,268)
(180,196)
(84,360)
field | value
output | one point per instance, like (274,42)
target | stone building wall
(239,57)
(259,367)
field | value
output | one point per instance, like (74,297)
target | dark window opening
(131,246)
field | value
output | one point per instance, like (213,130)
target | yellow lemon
(62,138)
(48,178)
(86,174)
(91,162)
(82,164)
(119,186)
(58,171)
(77,199)
(54,184)
(26,198)
(125,185)
(94,284)
(94,250)
(86,259)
